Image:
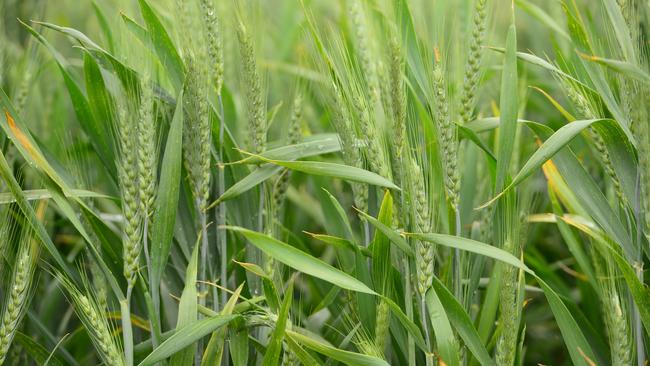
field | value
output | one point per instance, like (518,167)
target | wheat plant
(358,182)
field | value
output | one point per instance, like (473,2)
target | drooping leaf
(334,170)
(43,194)
(549,148)
(393,235)
(186,336)
(302,261)
(163,45)
(312,146)
(34,222)
(347,357)
(258,176)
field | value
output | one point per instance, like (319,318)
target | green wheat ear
(94,320)
(398,99)
(253,85)
(349,146)
(448,135)
(586,110)
(473,65)
(17,294)
(365,54)
(147,150)
(213,34)
(129,187)
(294,136)
(382,325)
(424,251)
(615,311)
(196,131)
(374,151)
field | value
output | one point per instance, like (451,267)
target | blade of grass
(185,337)
(164,46)
(334,170)
(32,220)
(508,107)
(302,261)
(274,348)
(461,322)
(188,309)
(166,204)
(347,357)
(445,339)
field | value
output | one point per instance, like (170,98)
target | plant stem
(221,216)
(424,317)
(457,275)
(221,208)
(366,233)
(154,322)
(127,330)
(408,293)
(204,251)
(638,328)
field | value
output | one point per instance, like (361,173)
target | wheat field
(321,182)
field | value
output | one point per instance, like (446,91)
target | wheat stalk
(360,25)
(282,182)
(447,133)
(146,157)
(253,86)
(586,111)
(196,131)
(508,320)
(398,103)
(382,325)
(99,286)
(215,50)
(614,311)
(341,121)
(374,152)
(473,64)
(424,249)
(147,163)
(129,186)
(212,31)
(294,135)
(96,324)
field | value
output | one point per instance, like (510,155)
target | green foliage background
(360,182)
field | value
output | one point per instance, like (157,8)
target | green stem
(366,233)
(204,257)
(204,251)
(638,327)
(221,217)
(457,275)
(127,330)
(423,316)
(408,297)
(221,208)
